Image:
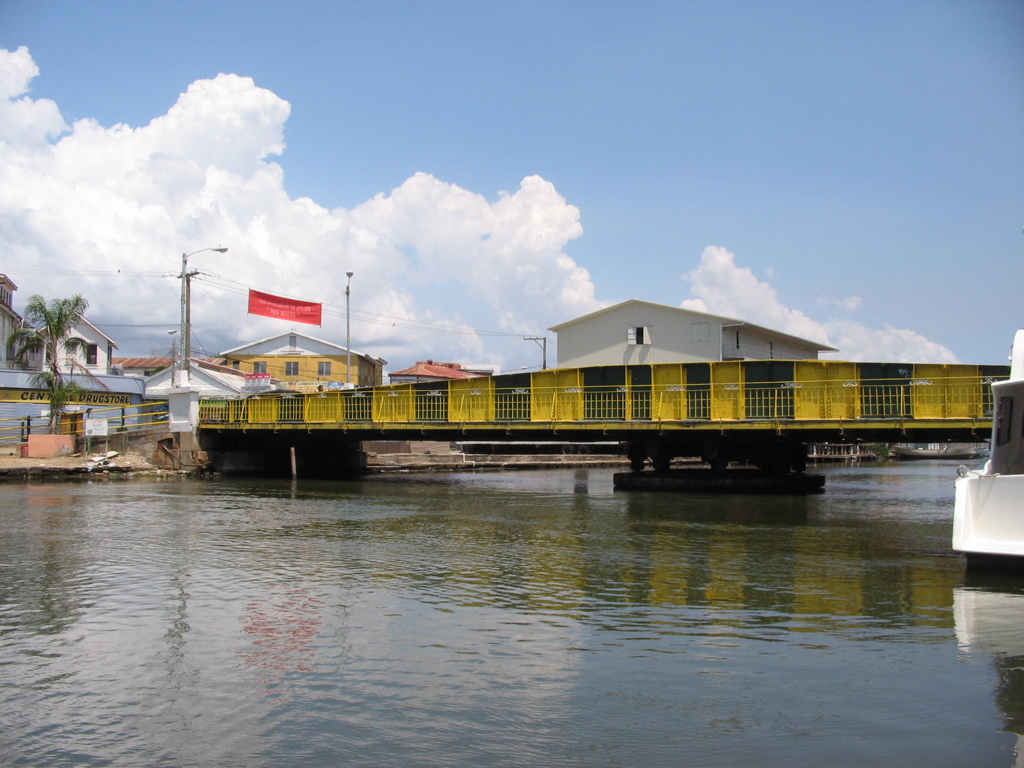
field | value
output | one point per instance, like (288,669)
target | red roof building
(431,371)
(147,366)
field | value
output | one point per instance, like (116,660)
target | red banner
(284,309)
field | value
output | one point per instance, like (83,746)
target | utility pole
(348,331)
(184,340)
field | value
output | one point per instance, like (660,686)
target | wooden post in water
(294,472)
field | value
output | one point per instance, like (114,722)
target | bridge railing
(718,392)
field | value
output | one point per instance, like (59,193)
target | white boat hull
(988,516)
(988,511)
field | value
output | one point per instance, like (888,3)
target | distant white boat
(988,512)
(955,451)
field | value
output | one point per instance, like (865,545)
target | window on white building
(639,335)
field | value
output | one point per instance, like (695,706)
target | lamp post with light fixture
(185,339)
(542,342)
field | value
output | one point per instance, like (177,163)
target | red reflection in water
(283,630)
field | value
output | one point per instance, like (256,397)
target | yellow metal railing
(730,391)
(118,419)
(17,430)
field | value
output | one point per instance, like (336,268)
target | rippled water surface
(533,618)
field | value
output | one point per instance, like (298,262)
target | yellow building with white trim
(303,361)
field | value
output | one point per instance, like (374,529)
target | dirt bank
(12,465)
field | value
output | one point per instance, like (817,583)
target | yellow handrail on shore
(118,419)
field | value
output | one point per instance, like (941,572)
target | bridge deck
(809,400)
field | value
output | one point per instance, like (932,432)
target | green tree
(50,332)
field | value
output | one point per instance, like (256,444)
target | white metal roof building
(210,379)
(637,332)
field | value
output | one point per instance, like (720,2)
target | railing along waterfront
(117,419)
(758,393)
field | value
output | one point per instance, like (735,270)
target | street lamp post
(348,330)
(542,342)
(185,338)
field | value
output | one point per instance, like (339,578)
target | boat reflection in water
(988,612)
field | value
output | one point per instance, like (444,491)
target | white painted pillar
(183,407)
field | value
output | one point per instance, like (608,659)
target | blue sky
(858,168)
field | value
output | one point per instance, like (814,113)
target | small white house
(641,332)
(90,369)
(95,357)
(210,379)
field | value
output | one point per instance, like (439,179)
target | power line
(227,285)
(135,325)
(80,272)
(371,317)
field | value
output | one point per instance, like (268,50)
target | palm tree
(50,332)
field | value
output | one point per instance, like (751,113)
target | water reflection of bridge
(762,411)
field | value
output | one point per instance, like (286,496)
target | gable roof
(767,332)
(266,346)
(85,321)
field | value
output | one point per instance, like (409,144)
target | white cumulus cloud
(722,287)
(23,121)
(107,211)
(849,304)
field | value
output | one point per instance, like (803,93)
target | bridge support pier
(774,465)
(774,455)
(270,454)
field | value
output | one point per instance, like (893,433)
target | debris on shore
(74,466)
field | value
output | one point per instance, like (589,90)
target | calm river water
(512,619)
